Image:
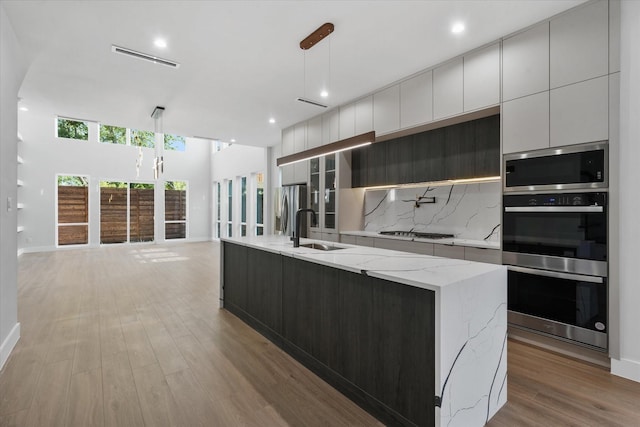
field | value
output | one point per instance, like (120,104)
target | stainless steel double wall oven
(554,242)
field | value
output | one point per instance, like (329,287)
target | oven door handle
(570,209)
(556,274)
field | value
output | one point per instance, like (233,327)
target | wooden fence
(73,207)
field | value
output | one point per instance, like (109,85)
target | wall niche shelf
(20,228)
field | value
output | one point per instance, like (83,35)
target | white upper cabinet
(347,121)
(416,100)
(614,36)
(301,169)
(580,112)
(314,132)
(288,141)
(579,44)
(525,123)
(447,89)
(287,171)
(482,78)
(386,110)
(331,127)
(364,115)
(525,63)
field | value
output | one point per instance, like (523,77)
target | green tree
(142,138)
(175,185)
(72,129)
(113,134)
(113,184)
(174,142)
(72,181)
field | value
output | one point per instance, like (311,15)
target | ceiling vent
(144,56)
(309,101)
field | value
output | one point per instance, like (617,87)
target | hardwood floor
(132,336)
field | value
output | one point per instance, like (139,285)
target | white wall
(629,175)
(12,71)
(237,161)
(45,156)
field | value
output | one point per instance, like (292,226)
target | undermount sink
(320,246)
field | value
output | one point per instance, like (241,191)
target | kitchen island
(413,339)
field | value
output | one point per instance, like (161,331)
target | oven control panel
(557,199)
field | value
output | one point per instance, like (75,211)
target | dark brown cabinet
(465,150)
(253,287)
(372,339)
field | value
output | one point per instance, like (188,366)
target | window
(243,206)
(175,210)
(142,138)
(259,204)
(113,134)
(174,142)
(126,212)
(218,209)
(230,208)
(73,129)
(73,210)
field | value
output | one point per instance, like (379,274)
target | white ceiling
(240,60)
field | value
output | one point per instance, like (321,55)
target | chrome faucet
(296,233)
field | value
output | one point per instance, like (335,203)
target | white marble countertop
(451,242)
(423,271)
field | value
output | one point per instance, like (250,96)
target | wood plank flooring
(132,336)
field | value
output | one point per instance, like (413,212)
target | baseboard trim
(625,368)
(8,344)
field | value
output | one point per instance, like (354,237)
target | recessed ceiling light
(233,140)
(24,109)
(324,94)
(272,120)
(162,43)
(457,28)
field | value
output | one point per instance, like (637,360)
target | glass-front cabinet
(323,195)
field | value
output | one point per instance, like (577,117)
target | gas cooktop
(418,234)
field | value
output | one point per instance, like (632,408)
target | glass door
(329,221)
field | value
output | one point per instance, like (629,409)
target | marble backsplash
(468,211)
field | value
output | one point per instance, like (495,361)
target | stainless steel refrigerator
(290,198)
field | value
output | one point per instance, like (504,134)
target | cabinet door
(310,297)
(402,316)
(314,132)
(386,110)
(416,100)
(364,115)
(579,44)
(235,276)
(288,147)
(490,256)
(448,251)
(376,164)
(355,334)
(580,112)
(447,89)
(301,169)
(288,174)
(487,146)
(482,78)
(359,165)
(264,289)
(347,121)
(331,127)
(525,123)
(364,241)
(459,151)
(399,160)
(525,63)
(428,155)
(348,239)
(288,141)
